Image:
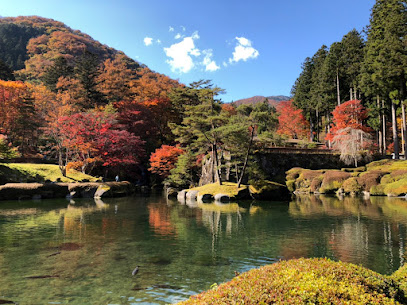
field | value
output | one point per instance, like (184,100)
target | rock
(101,191)
(191,195)
(182,196)
(222,198)
(205,198)
(171,192)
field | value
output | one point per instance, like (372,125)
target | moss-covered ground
(29,172)
(308,281)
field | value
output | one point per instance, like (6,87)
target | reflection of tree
(160,220)
(360,226)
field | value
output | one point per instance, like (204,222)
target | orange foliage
(291,121)
(229,109)
(164,159)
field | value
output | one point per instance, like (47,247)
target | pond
(84,252)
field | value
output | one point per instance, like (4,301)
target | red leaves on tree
(95,136)
(164,159)
(349,114)
(291,122)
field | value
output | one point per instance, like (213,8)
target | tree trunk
(246,159)
(394,127)
(311,129)
(317,115)
(403,110)
(215,149)
(338,94)
(350,93)
(380,139)
(384,129)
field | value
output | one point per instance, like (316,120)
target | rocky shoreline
(27,191)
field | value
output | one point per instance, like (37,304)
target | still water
(84,252)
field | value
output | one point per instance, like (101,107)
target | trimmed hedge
(383,177)
(307,281)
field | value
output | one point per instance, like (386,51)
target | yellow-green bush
(306,281)
(351,185)
(396,188)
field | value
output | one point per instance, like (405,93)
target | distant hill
(30,44)
(273,100)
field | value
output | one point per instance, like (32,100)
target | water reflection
(83,252)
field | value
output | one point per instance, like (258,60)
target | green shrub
(351,185)
(305,281)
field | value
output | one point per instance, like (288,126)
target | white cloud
(171,29)
(181,53)
(148,41)
(178,36)
(243,50)
(210,65)
(158,41)
(183,28)
(225,64)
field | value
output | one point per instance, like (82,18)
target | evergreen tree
(5,72)
(386,56)
(58,69)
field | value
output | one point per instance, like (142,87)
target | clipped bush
(290,185)
(377,190)
(351,185)
(316,184)
(305,281)
(293,173)
(397,188)
(370,178)
(332,181)
(359,169)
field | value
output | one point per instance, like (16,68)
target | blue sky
(247,48)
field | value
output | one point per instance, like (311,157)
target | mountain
(273,100)
(29,45)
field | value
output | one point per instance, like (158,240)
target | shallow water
(84,252)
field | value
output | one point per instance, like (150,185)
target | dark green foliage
(59,68)
(5,72)
(306,281)
(13,42)
(86,70)
(185,174)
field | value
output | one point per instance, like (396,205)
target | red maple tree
(291,121)
(164,159)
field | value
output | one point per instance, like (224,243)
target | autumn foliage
(164,159)
(291,121)
(350,114)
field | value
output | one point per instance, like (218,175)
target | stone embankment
(21,191)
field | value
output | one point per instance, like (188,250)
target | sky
(247,48)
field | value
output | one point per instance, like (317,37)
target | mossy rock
(268,190)
(290,185)
(306,281)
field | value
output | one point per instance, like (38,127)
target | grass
(307,281)
(29,172)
